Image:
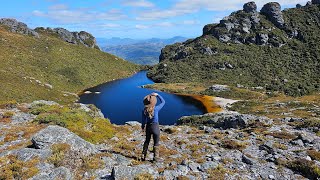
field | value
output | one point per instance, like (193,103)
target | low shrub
(307,168)
(85,124)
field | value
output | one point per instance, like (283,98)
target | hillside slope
(278,50)
(46,67)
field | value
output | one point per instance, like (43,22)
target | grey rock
(133,123)
(219,88)
(262,39)
(208,165)
(298,6)
(250,7)
(45,138)
(208,51)
(57,173)
(20,117)
(309,3)
(65,35)
(297,142)
(306,138)
(248,160)
(26,154)
(129,173)
(224,38)
(273,12)
(226,120)
(194,167)
(169,174)
(18,27)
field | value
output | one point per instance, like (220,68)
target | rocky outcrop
(273,12)
(250,7)
(81,37)
(245,26)
(18,27)
(225,120)
(58,135)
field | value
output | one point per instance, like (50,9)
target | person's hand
(154,94)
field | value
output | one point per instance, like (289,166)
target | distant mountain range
(139,51)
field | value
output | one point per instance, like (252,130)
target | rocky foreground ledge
(213,146)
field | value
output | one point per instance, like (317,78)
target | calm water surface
(121,101)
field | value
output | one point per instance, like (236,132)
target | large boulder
(18,27)
(65,35)
(250,7)
(273,12)
(45,138)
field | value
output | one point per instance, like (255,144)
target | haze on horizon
(136,19)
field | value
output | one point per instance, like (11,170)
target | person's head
(149,102)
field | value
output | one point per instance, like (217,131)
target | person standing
(150,122)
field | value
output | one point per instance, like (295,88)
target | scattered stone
(48,86)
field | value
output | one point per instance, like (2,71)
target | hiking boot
(156,157)
(144,152)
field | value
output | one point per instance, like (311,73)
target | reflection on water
(121,101)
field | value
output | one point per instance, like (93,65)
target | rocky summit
(226,145)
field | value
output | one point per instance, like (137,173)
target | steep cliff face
(275,49)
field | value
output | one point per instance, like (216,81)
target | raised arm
(162,102)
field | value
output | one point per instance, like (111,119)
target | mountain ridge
(277,50)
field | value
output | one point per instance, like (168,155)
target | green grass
(67,67)
(87,125)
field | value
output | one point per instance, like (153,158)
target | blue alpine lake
(121,101)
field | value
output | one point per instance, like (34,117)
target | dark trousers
(154,131)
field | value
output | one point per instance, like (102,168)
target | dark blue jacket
(155,119)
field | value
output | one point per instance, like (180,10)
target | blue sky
(139,19)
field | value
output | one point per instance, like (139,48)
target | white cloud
(58,7)
(184,7)
(139,26)
(109,25)
(190,22)
(79,16)
(165,24)
(139,3)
